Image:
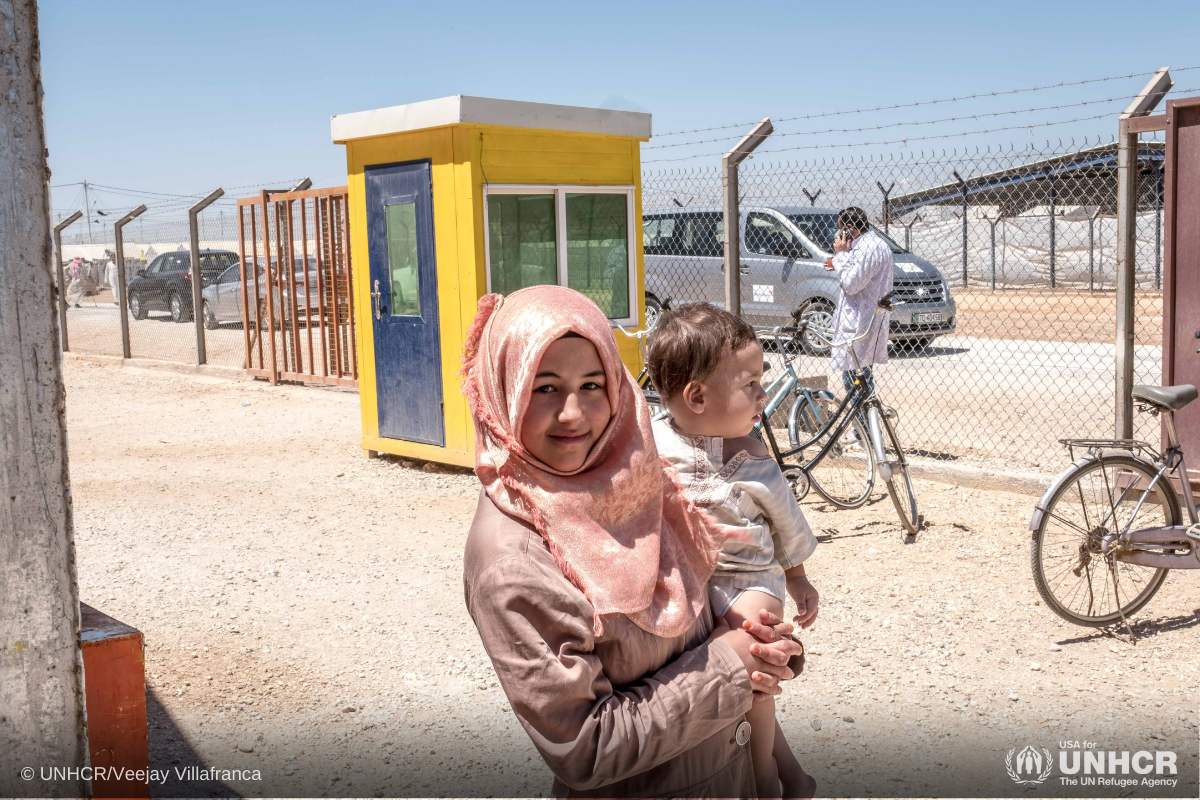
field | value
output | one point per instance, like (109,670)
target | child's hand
(806,597)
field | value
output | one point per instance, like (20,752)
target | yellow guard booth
(460,196)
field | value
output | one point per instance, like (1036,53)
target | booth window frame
(560,192)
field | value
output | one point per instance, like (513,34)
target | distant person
(110,277)
(863,265)
(76,284)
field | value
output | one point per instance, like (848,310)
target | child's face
(568,409)
(733,397)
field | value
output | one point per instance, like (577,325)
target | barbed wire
(904,124)
(178,202)
(927,102)
(904,141)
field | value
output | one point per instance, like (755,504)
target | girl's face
(568,410)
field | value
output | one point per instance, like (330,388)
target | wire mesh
(311,313)
(1005,260)
(158,287)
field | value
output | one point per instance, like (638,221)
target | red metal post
(352,355)
(241,227)
(270,287)
(307,291)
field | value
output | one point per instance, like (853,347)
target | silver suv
(784,249)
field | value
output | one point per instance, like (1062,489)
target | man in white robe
(863,265)
(110,277)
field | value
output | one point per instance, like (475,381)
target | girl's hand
(766,664)
(771,629)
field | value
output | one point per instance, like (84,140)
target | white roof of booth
(488,111)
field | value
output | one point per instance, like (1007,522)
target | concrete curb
(210,370)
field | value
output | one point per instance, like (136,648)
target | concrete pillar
(42,720)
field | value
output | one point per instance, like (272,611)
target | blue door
(408,349)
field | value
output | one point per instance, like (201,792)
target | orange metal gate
(296,292)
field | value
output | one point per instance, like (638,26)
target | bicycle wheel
(1072,574)
(894,471)
(845,475)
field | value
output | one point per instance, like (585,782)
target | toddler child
(707,366)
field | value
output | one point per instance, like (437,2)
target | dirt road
(303,615)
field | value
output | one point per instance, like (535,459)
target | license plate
(928,316)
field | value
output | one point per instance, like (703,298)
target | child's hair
(689,342)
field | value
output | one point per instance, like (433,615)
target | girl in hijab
(585,569)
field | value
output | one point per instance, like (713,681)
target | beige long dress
(628,714)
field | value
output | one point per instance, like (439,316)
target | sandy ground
(303,614)
(1063,315)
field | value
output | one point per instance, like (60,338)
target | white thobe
(110,277)
(865,274)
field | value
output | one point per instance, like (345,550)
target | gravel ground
(303,615)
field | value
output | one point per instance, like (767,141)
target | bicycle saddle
(1172,397)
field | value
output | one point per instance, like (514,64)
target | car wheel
(653,311)
(818,313)
(179,312)
(210,319)
(136,309)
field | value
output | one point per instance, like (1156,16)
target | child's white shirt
(749,494)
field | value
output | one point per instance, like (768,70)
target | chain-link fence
(1005,260)
(304,314)
(158,275)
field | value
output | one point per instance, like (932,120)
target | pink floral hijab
(619,527)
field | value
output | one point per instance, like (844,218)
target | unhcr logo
(1029,766)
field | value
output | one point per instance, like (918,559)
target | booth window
(405,285)
(521,241)
(573,236)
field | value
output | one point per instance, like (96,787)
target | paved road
(97,329)
(1006,402)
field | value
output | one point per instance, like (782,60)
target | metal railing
(300,324)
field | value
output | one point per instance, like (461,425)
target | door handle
(375,296)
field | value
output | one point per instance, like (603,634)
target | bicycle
(1108,529)
(856,440)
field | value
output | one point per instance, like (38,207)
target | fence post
(269,277)
(197,273)
(887,209)
(1053,230)
(993,223)
(729,183)
(908,231)
(1158,176)
(58,272)
(1092,249)
(119,245)
(963,184)
(41,671)
(1127,178)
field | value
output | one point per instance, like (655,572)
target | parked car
(783,255)
(223,295)
(166,284)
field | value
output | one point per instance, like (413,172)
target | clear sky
(177,97)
